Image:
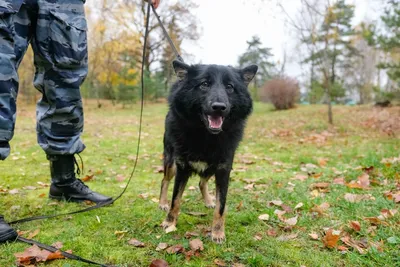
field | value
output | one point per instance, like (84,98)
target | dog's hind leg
(181,179)
(169,173)
(208,201)
(218,226)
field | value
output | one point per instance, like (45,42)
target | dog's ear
(248,73)
(181,69)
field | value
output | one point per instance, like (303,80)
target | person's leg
(60,48)
(8,90)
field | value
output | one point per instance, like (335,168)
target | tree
(334,49)
(388,41)
(256,54)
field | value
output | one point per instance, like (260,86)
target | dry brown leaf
(321,209)
(257,237)
(239,206)
(331,238)
(299,205)
(263,217)
(362,182)
(355,225)
(300,177)
(58,245)
(87,178)
(175,249)
(136,243)
(354,244)
(249,187)
(291,221)
(33,234)
(272,232)
(196,244)
(33,255)
(342,248)
(161,246)
(158,169)
(339,180)
(191,234)
(313,236)
(322,162)
(322,185)
(159,263)
(275,202)
(220,263)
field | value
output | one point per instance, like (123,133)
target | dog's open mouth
(215,123)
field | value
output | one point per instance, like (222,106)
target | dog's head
(212,95)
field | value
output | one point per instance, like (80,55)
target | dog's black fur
(195,141)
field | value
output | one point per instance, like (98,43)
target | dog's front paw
(169,226)
(210,205)
(164,207)
(218,237)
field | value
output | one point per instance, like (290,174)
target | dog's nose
(218,106)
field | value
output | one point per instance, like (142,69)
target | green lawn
(283,155)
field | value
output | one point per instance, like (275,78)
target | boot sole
(63,198)
(75,200)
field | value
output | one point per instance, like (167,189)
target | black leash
(171,43)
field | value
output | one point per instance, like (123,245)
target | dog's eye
(229,88)
(204,85)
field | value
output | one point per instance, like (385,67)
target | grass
(275,149)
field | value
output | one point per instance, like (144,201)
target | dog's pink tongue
(215,122)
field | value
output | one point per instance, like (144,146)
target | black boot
(64,184)
(6,232)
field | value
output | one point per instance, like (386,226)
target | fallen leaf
(136,243)
(313,236)
(161,246)
(13,191)
(339,180)
(219,262)
(298,206)
(196,244)
(322,162)
(342,248)
(300,177)
(87,178)
(321,209)
(291,221)
(359,246)
(355,225)
(331,238)
(158,169)
(58,245)
(175,249)
(170,229)
(258,236)
(33,255)
(249,187)
(191,234)
(42,195)
(263,217)
(362,182)
(272,232)
(33,234)
(192,187)
(320,185)
(239,206)
(275,202)
(159,263)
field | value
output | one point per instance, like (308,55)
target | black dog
(208,108)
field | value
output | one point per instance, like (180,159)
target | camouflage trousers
(56,30)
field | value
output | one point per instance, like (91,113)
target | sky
(228,24)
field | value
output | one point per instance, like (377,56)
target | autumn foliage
(282,92)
